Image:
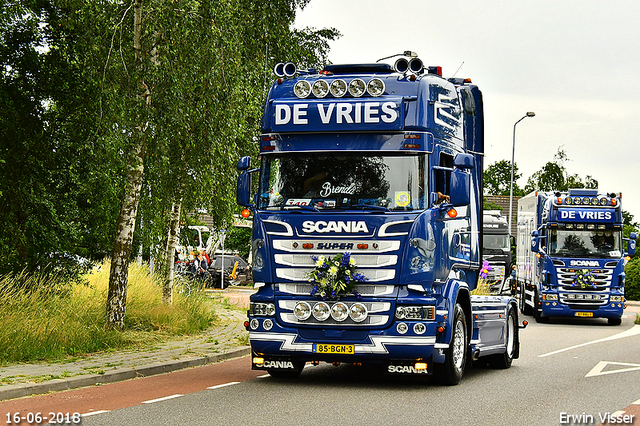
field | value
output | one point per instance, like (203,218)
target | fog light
(267,324)
(402,328)
(358,312)
(339,312)
(321,311)
(302,311)
(254,324)
(419,328)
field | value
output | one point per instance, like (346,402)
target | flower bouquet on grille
(584,279)
(335,276)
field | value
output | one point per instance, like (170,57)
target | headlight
(302,89)
(375,87)
(320,89)
(262,309)
(415,312)
(357,87)
(339,311)
(338,88)
(321,311)
(302,311)
(617,298)
(358,312)
(550,296)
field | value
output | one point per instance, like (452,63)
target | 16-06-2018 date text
(38,418)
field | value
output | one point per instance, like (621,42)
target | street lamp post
(513,154)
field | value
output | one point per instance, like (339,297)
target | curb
(118,375)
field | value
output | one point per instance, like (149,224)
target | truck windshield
(495,242)
(576,243)
(344,181)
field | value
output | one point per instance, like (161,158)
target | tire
(512,340)
(452,370)
(614,321)
(537,314)
(524,308)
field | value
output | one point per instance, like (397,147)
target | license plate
(322,348)
(584,314)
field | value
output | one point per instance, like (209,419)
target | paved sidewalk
(227,340)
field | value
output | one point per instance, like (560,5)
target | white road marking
(223,385)
(91,413)
(633,331)
(597,370)
(163,398)
(636,403)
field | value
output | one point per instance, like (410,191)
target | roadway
(569,372)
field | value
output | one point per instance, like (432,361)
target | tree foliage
(497,179)
(554,177)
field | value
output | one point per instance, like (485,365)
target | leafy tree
(554,177)
(497,179)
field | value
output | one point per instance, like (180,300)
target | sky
(575,63)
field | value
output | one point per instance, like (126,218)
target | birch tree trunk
(122,246)
(172,240)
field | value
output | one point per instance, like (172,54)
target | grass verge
(47,320)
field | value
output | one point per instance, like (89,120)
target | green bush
(43,320)
(632,283)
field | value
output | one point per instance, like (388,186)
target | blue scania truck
(570,255)
(378,165)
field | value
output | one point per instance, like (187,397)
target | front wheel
(452,370)
(614,321)
(511,340)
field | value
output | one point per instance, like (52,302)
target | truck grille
(602,280)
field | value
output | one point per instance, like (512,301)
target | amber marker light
(538,255)
(245,213)
(420,365)
(258,360)
(452,213)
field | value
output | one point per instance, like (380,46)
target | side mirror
(460,187)
(244,163)
(631,245)
(464,161)
(535,242)
(243,197)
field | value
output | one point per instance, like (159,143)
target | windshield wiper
(366,206)
(295,206)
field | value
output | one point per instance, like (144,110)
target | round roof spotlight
(289,69)
(603,201)
(594,201)
(321,311)
(278,70)
(357,87)
(338,88)
(401,65)
(585,200)
(302,89)
(320,89)
(415,65)
(339,311)
(375,87)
